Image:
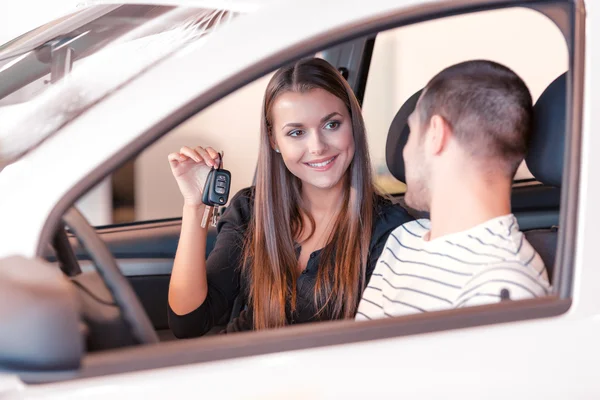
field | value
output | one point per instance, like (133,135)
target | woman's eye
(295,133)
(331,125)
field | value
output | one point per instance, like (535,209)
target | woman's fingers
(199,154)
(193,154)
(212,153)
(174,159)
(215,156)
(205,156)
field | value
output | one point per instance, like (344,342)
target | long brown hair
(270,261)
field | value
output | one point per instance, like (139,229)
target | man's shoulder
(416,228)
(527,279)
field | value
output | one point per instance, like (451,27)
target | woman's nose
(317,144)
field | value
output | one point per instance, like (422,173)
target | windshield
(51,75)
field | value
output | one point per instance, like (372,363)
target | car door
(501,350)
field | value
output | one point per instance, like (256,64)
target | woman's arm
(188,286)
(190,168)
(202,291)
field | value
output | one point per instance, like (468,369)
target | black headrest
(545,157)
(398,136)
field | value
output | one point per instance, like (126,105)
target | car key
(216,191)
(207,211)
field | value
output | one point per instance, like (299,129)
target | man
(468,135)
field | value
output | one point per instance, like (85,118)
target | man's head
(472,118)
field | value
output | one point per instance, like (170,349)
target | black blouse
(224,275)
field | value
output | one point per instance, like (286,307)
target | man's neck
(459,206)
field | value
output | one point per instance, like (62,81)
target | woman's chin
(322,184)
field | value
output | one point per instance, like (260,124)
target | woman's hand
(190,167)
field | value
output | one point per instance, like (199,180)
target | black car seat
(396,140)
(544,160)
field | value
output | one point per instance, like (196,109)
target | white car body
(545,358)
(18,18)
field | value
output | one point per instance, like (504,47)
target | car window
(404,59)
(145,188)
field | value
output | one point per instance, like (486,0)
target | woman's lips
(321,165)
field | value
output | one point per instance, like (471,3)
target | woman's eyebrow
(292,125)
(299,125)
(328,116)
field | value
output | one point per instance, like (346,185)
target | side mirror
(39,318)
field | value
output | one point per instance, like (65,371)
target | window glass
(145,189)
(404,59)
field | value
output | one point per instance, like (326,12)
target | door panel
(151,286)
(145,254)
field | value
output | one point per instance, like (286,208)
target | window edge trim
(302,337)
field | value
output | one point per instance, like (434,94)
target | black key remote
(216,189)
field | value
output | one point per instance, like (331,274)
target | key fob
(216,189)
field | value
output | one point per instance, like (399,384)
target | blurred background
(404,59)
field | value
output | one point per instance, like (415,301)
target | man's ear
(438,135)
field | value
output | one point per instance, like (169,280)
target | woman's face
(313,132)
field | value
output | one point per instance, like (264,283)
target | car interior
(122,272)
(120,311)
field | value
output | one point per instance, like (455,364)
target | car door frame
(344,332)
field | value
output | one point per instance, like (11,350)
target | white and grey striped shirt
(458,270)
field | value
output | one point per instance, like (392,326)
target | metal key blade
(215,217)
(207,210)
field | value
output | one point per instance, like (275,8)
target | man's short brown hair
(487,106)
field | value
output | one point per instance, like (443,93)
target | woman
(300,245)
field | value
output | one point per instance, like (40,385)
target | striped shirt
(457,270)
